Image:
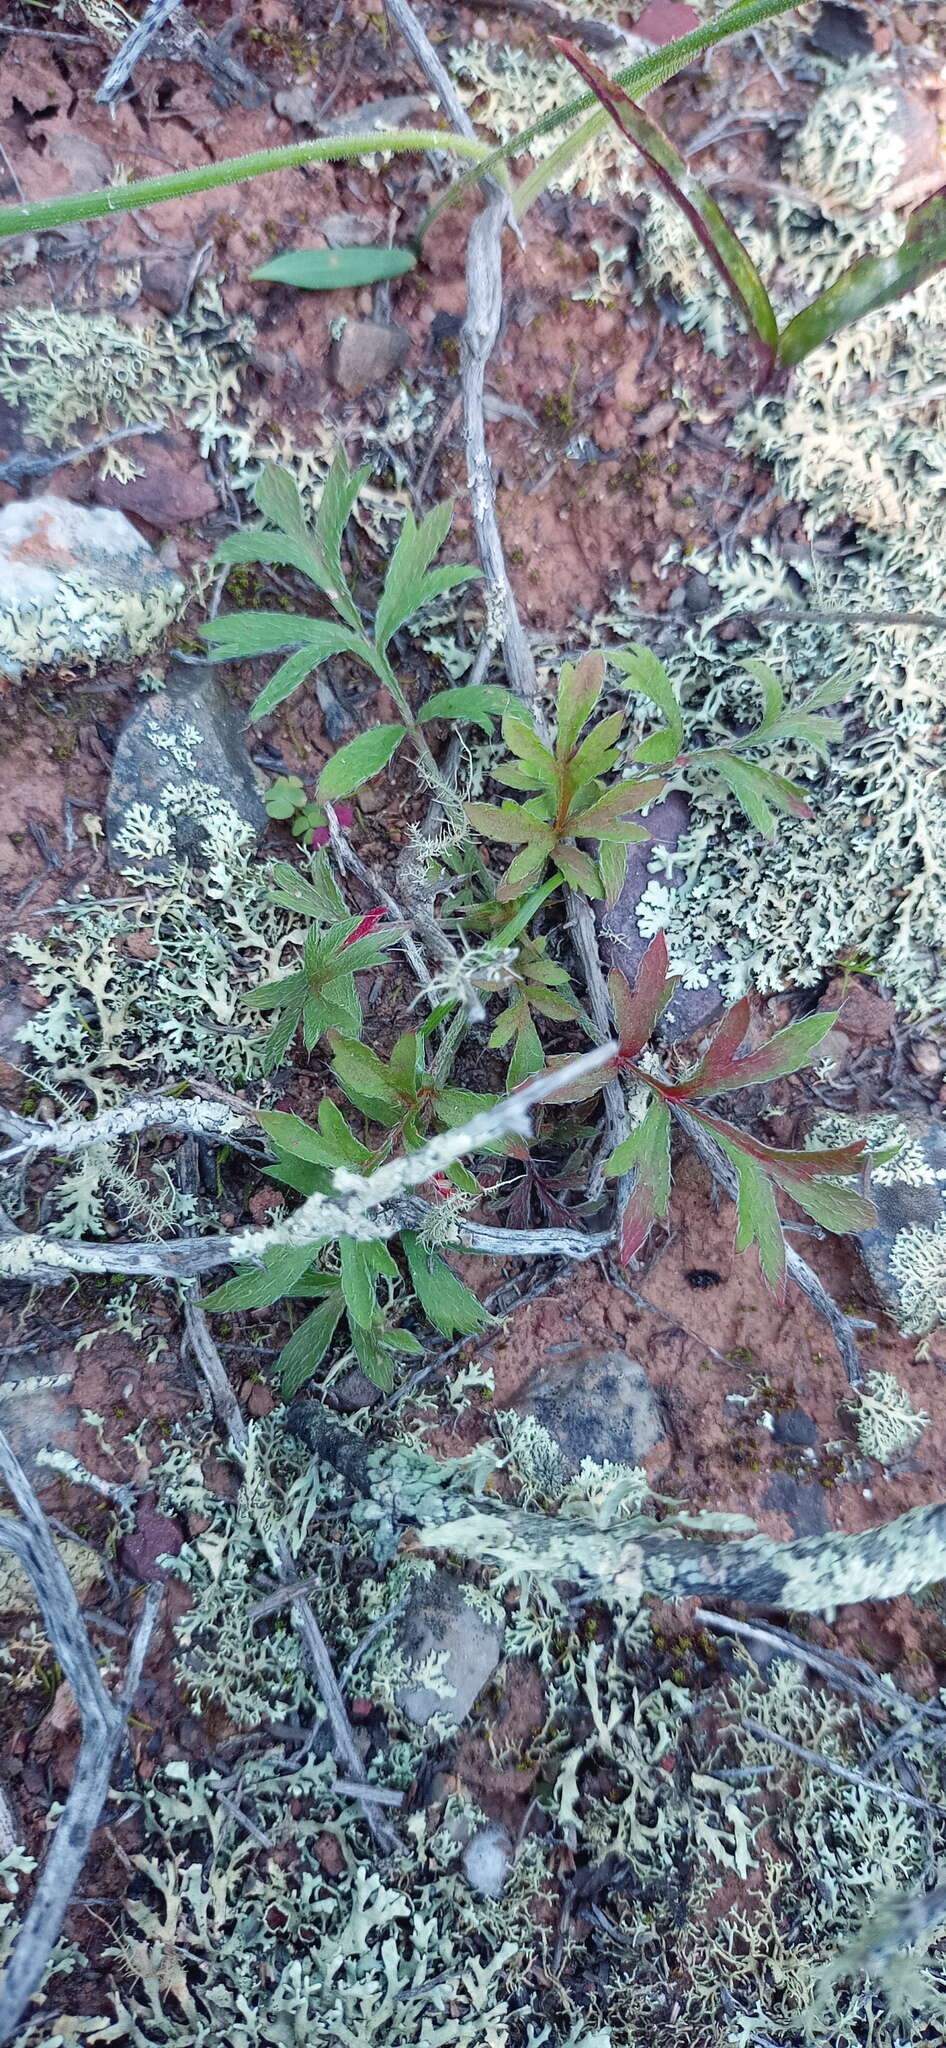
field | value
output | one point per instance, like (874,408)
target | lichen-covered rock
(906,1254)
(449,1648)
(594,1405)
(77,585)
(183,786)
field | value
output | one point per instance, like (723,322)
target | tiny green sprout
(572,801)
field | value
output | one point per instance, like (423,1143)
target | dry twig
(103,1728)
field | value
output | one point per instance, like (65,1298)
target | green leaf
(522,740)
(284,797)
(446,1302)
(358,1282)
(287,678)
(578,869)
(528,1056)
(327,270)
(407,585)
(358,761)
(289,1134)
(871,282)
(241,634)
(357,1066)
(596,754)
(773,696)
(646,1154)
(648,678)
(750,789)
(579,687)
(480,703)
(837,1209)
(277,995)
(612,863)
(512,824)
(278,497)
(307,1346)
(523,870)
(758,1218)
(371,1350)
(314,895)
(719,1070)
(260,1286)
(339,493)
(732,260)
(606,819)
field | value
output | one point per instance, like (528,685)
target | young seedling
(572,801)
(810,1177)
(367,1286)
(285,536)
(321,995)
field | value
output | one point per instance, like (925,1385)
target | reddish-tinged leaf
(646,1154)
(579,688)
(732,260)
(586,1084)
(578,869)
(609,810)
(637,1010)
(758,1218)
(527,867)
(719,1070)
(795,1166)
(509,823)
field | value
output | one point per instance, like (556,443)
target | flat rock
(153,1537)
(794,1426)
(182,782)
(597,1405)
(802,1500)
(487,1860)
(905,1254)
(623,943)
(77,585)
(451,1650)
(367,352)
(172,489)
(842,33)
(36,1414)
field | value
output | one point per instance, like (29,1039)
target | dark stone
(623,945)
(188,735)
(366,353)
(795,1427)
(153,1536)
(698,593)
(801,1500)
(842,33)
(595,1405)
(353,1391)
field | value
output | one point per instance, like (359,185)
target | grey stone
(623,944)
(77,585)
(801,1500)
(451,1649)
(597,1405)
(698,593)
(38,1418)
(911,1200)
(367,352)
(487,1859)
(180,764)
(795,1427)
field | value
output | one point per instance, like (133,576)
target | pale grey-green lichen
(885,1419)
(918,1265)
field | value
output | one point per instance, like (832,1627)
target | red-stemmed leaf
(646,1154)
(732,260)
(636,1010)
(720,1071)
